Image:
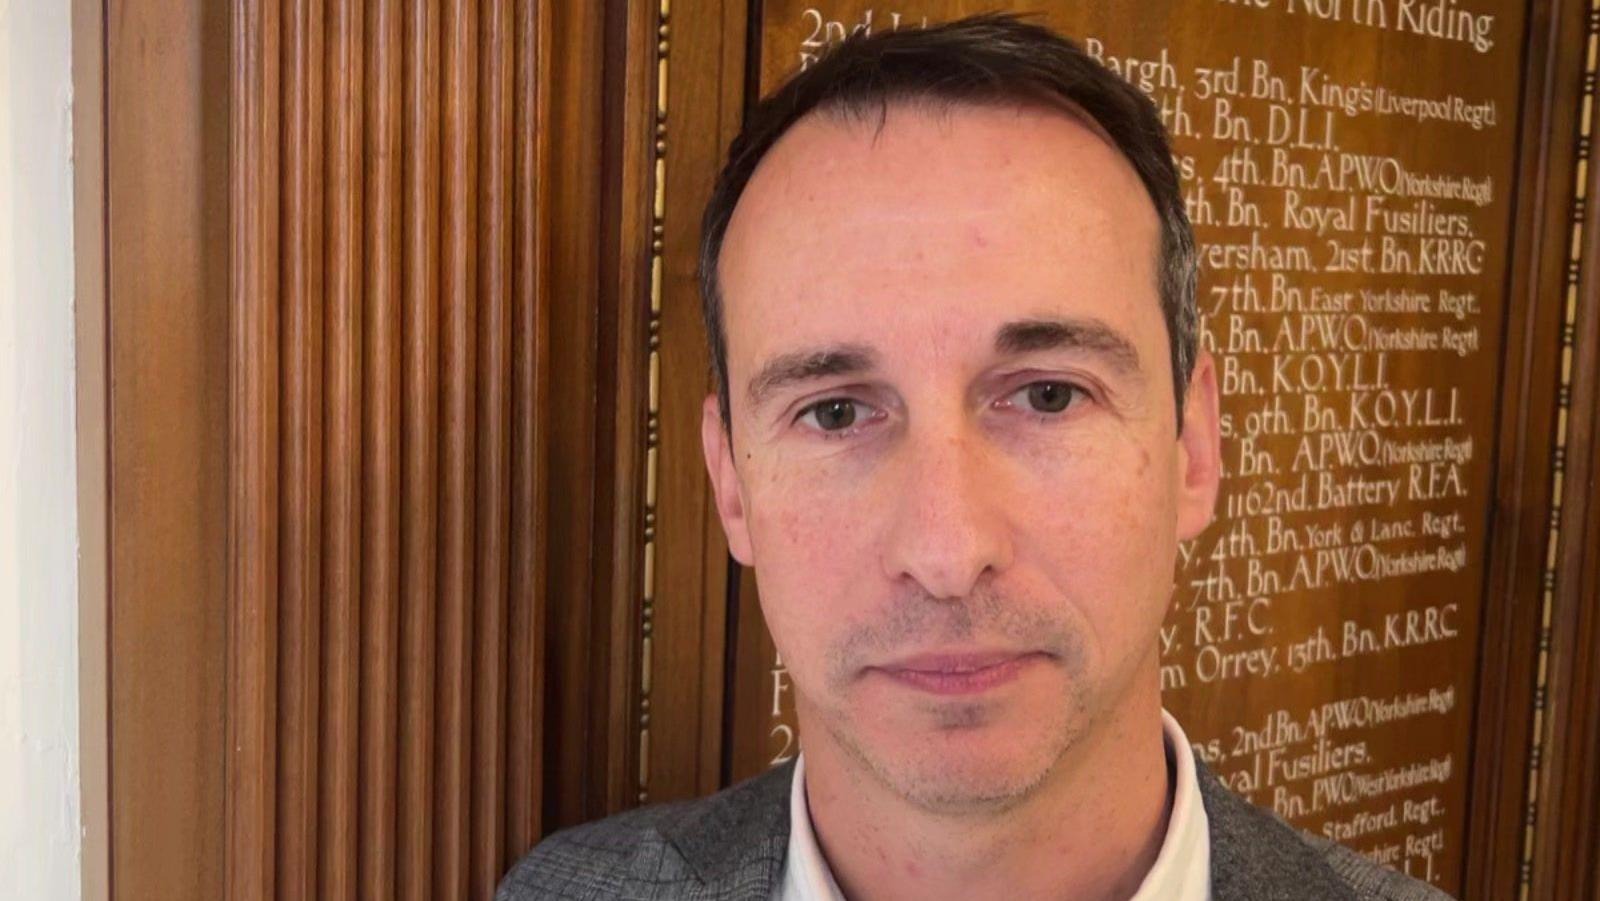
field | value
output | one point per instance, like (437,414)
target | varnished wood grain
(621,580)
(167,75)
(380,499)
(300,600)
(252,536)
(705,101)
(1516,550)
(530,318)
(457,411)
(494,228)
(574,126)
(1564,831)
(342,469)
(420,450)
(378,468)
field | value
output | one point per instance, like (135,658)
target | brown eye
(1050,397)
(834,414)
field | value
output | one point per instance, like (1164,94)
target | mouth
(960,673)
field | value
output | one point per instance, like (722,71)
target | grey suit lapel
(735,845)
(1257,857)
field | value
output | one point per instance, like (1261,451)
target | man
(960,427)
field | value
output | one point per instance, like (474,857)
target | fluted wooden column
(388,395)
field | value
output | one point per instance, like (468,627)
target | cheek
(811,517)
(1103,532)
(803,524)
(813,566)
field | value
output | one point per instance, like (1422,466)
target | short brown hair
(985,59)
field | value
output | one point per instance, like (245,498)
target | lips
(959,673)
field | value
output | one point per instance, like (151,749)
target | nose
(949,524)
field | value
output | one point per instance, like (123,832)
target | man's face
(954,439)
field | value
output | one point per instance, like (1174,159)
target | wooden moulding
(300,552)
(1512,721)
(252,534)
(167,201)
(1558,858)
(342,464)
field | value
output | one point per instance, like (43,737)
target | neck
(1092,830)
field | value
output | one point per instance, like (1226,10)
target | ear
(1199,450)
(714,441)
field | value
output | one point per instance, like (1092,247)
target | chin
(958,761)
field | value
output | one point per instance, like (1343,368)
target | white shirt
(1182,871)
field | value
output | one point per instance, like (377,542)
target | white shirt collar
(806,876)
(1182,871)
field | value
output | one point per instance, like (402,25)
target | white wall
(40,824)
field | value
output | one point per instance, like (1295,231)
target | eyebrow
(800,366)
(1011,339)
(1086,335)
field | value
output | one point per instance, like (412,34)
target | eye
(835,416)
(1048,397)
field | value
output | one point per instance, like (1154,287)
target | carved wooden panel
(389,311)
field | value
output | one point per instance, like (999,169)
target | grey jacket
(731,845)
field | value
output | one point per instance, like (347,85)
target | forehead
(961,213)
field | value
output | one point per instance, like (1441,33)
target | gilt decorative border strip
(1558,454)
(653,426)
